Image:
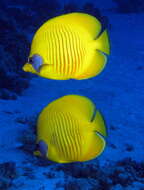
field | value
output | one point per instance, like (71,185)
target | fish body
(70,129)
(71,46)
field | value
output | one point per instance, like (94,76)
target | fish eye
(30,60)
(37,147)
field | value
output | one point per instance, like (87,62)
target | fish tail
(99,124)
(102,43)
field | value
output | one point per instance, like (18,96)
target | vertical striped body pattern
(66,137)
(65,50)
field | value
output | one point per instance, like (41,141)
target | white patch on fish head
(36,61)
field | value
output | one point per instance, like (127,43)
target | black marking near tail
(94,114)
(92,119)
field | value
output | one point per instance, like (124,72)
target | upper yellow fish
(69,46)
(70,129)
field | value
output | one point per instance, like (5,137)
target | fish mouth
(29,68)
(37,153)
(26,67)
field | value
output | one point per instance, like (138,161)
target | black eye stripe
(37,147)
(30,60)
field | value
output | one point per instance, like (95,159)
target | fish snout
(28,68)
(36,153)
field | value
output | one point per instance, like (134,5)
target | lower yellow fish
(70,46)
(70,129)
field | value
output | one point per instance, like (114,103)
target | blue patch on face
(43,148)
(36,61)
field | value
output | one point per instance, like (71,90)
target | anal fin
(94,146)
(102,43)
(96,61)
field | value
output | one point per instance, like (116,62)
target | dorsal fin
(86,21)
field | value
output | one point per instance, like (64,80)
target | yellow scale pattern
(65,50)
(66,136)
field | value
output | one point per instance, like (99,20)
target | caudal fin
(99,124)
(102,43)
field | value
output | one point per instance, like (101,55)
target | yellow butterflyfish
(70,46)
(70,129)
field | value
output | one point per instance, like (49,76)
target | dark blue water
(118,92)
